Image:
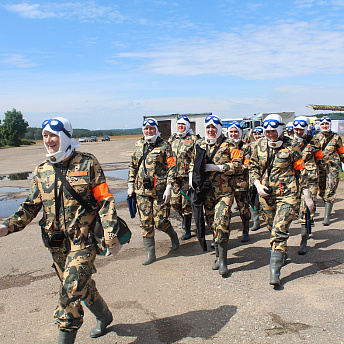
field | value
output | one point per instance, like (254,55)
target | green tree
(14,127)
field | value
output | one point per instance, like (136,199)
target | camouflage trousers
(313,188)
(325,192)
(179,202)
(278,215)
(218,216)
(243,205)
(153,212)
(74,270)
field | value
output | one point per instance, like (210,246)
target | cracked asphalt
(179,298)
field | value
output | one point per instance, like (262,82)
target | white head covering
(325,119)
(258,130)
(297,125)
(289,126)
(184,120)
(67,144)
(153,123)
(217,123)
(279,129)
(235,125)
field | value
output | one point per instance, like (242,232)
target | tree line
(15,131)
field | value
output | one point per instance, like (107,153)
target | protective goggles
(289,128)
(150,121)
(215,119)
(56,125)
(184,118)
(271,122)
(300,122)
(257,130)
(236,124)
(325,118)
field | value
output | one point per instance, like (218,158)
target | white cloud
(17,60)
(261,52)
(86,11)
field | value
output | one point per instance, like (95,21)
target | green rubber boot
(174,238)
(149,245)
(103,315)
(66,337)
(277,259)
(217,263)
(255,219)
(328,209)
(222,247)
(187,227)
(304,237)
(245,230)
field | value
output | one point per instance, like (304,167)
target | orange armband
(299,165)
(319,154)
(101,191)
(340,150)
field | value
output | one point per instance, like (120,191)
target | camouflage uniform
(73,261)
(182,149)
(159,167)
(278,207)
(241,182)
(219,197)
(333,155)
(315,163)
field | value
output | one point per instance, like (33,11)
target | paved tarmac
(177,299)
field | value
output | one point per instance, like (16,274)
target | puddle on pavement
(10,206)
(10,189)
(17,176)
(120,174)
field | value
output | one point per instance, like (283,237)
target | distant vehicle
(32,142)
(93,139)
(83,139)
(106,138)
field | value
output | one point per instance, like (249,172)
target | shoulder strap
(215,150)
(144,156)
(327,141)
(71,190)
(309,139)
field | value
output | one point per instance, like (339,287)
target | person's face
(325,125)
(257,135)
(299,132)
(52,141)
(181,127)
(234,133)
(149,130)
(290,132)
(272,135)
(211,131)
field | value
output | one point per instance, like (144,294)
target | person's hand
(261,188)
(213,168)
(308,199)
(330,181)
(167,194)
(190,181)
(130,189)
(113,251)
(3,230)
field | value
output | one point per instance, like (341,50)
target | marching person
(277,171)
(289,129)
(333,150)
(223,161)
(182,144)
(66,225)
(313,158)
(240,180)
(151,177)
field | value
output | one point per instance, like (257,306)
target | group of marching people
(278,174)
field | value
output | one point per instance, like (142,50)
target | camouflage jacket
(241,179)
(334,151)
(286,169)
(85,175)
(182,149)
(227,155)
(313,157)
(158,166)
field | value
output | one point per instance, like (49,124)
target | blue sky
(105,64)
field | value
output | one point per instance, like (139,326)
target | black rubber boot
(223,258)
(174,238)
(149,245)
(328,209)
(245,229)
(217,263)
(255,219)
(66,337)
(187,227)
(304,237)
(277,259)
(103,315)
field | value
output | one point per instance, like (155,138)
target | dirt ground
(177,299)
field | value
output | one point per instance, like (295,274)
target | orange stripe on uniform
(299,165)
(236,153)
(319,154)
(101,191)
(340,150)
(170,161)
